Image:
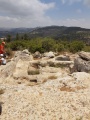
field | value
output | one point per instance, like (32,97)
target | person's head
(3,43)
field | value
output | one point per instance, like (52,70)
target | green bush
(60,47)
(76,46)
(18,45)
(48,44)
(36,45)
(45,45)
(86,49)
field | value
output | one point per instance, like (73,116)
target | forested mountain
(60,32)
(55,32)
(13,31)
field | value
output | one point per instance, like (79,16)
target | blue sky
(76,10)
(34,13)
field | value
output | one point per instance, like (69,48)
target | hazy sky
(35,13)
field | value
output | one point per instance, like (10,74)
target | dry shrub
(9,53)
(80,118)
(33,72)
(1,91)
(52,77)
(67,89)
(45,80)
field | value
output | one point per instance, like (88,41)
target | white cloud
(85,23)
(14,22)
(24,7)
(25,22)
(23,12)
(31,13)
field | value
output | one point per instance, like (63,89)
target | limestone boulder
(26,51)
(20,71)
(23,55)
(53,94)
(37,54)
(49,54)
(17,66)
(84,55)
(82,78)
(82,62)
(81,65)
(7,70)
(43,63)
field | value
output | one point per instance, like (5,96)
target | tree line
(44,44)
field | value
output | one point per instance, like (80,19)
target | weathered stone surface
(20,71)
(66,97)
(49,54)
(24,55)
(26,51)
(7,70)
(37,55)
(62,58)
(82,62)
(84,55)
(52,94)
(81,65)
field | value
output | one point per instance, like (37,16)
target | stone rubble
(56,94)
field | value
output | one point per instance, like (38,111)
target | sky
(39,13)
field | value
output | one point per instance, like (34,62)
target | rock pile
(43,89)
(82,63)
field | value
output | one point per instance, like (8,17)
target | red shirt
(1,49)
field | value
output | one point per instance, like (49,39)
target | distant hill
(52,31)
(56,32)
(13,31)
(62,33)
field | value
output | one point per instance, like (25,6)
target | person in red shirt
(2,49)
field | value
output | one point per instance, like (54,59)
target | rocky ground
(45,87)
